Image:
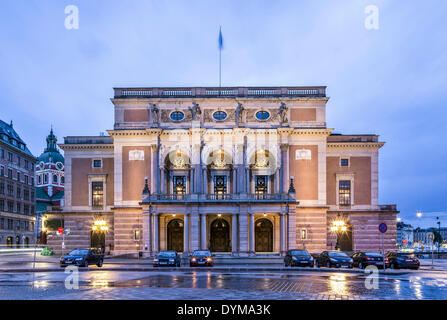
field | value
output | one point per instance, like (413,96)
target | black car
(83,258)
(334,259)
(298,258)
(167,258)
(364,259)
(201,258)
(404,260)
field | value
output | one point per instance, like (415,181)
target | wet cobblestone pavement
(207,285)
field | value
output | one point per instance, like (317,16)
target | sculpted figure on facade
(240,114)
(282,112)
(195,111)
(155,114)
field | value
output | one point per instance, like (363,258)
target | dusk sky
(391,81)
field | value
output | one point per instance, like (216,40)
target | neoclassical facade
(237,170)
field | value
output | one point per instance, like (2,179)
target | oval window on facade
(177,115)
(262,115)
(219,115)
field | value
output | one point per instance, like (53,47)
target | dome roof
(51,154)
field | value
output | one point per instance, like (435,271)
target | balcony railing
(272,197)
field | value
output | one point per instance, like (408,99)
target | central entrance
(220,236)
(263,236)
(175,235)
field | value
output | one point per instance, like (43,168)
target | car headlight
(209,259)
(351,261)
(155,260)
(333,260)
(79,259)
(171,260)
(294,258)
(193,259)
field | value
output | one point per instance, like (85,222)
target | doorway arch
(263,235)
(98,240)
(175,235)
(345,239)
(220,236)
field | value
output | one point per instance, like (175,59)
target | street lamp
(419,214)
(338,227)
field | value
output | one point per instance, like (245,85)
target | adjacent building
(17,193)
(50,180)
(404,235)
(237,170)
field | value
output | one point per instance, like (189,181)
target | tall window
(54,178)
(220,185)
(179,185)
(2,171)
(261,185)
(97,194)
(2,187)
(344,192)
(45,178)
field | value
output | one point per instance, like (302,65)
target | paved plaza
(198,285)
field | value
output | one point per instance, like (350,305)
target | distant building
(422,236)
(17,193)
(50,179)
(404,235)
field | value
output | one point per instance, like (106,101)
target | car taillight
(386,259)
(368,259)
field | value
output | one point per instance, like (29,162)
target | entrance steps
(273,259)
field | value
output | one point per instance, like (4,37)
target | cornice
(355,145)
(71,147)
(312,131)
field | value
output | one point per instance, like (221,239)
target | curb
(207,269)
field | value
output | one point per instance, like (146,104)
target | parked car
(167,258)
(298,258)
(83,258)
(364,259)
(404,260)
(334,259)
(201,258)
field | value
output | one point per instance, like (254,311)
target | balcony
(210,92)
(207,198)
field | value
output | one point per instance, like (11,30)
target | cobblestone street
(105,285)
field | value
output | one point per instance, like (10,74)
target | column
(234,181)
(234,233)
(156,248)
(247,180)
(243,233)
(205,181)
(203,243)
(284,168)
(186,233)
(252,233)
(155,184)
(194,234)
(282,234)
(147,232)
(277,190)
(162,180)
(291,223)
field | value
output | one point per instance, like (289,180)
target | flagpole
(220,68)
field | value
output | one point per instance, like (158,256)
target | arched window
(177,115)
(54,178)
(262,115)
(220,115)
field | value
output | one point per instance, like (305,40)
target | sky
(388,81)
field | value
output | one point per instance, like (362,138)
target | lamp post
(338,226)
(439,231)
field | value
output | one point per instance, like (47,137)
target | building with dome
(241,171)
(17,193)
(50,179)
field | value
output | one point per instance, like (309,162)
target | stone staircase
(268,259)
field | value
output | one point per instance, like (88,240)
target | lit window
(177,115)
(303,234)
(344,192)
(261,186)
(97,163)
(219,115)
(220,185)
(179,185)
(97,194)
(344,162)
(262,115)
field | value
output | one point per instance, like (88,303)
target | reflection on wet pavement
(209,285)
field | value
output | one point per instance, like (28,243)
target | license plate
(163,262)
(345,265)
(303,261)
(201,262)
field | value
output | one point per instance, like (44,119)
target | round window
(177,115)
(262,115)
(219,115)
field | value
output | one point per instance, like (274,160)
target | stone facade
(238,170)
(17,192)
